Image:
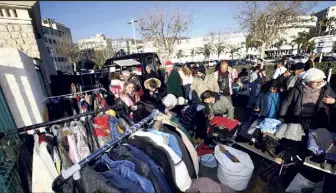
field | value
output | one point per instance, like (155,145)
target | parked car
(300,58)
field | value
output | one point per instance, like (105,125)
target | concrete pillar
(21,86)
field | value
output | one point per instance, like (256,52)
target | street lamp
(132,22)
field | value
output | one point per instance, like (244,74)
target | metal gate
(9,178)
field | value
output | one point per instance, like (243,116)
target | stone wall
(17,32)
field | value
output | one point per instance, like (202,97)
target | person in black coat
(309,102)
(153,94)
(149,73)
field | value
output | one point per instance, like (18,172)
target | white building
(57,36)
(326,14)
(235,40)
(126,45)
(289,33)
(97,42)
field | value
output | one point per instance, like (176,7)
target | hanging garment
(204,184)
(91,181)
(25,162)
(79,132)
(101,126)
(126,169)
(169,139)
(159,155)
(44,171)
(114,131)
(158,179)
(182,178)
(62,144)
(236,175)
(185,154)
(118,181)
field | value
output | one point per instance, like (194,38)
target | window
(48,49)
(45,39)
(179,42)
(49,40)
(54,41)
(46,31)
(52,32)
(55,59)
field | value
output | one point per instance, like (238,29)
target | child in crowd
(268,104)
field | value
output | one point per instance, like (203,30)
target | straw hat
(148,87)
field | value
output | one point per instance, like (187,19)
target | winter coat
(198,86)
(232,75)
(309,64)
(174,84)
(222,106)
(292,105)
(262,104)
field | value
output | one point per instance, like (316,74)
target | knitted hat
(169,64)
(298,66)
(170,101)
(201,69)
(314,74)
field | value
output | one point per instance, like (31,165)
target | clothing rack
(76,167)
(71,95)
(62,120)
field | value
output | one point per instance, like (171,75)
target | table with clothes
(282,144)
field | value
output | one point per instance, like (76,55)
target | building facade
(190,49)
(289,32)
(324,23)
(57,37)
(97,42)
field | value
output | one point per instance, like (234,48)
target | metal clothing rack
(73,94)
(76,167)
(58,121)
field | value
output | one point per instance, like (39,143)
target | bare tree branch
(163,29)
(68,50)
(265,20)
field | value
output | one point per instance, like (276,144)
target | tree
(250,43)
(68,50)
(179,54)
(100,55)
(163,29)
(233,49)
(218,41)
(193,53)
(206,50)
(265,20)
(299,40)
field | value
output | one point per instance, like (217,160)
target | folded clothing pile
(269,125)
(291,131)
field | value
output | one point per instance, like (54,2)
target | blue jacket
(263,105)
(172,141)
(113,127)
(159,178)
(126,169)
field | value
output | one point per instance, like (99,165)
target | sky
(87,18)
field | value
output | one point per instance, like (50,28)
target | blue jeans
(155,169)
(127,170)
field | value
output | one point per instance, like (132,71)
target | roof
(129,56)
(127,62)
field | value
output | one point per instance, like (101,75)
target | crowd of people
(192,97)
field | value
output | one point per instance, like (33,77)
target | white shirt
(279,71)
(185,79)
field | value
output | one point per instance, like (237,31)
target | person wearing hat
(174,81)
(170,102)
(154,93)
(306,101)
(280,69)
(268,104)
(298,72)
(202,83)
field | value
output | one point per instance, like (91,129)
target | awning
(128,62)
